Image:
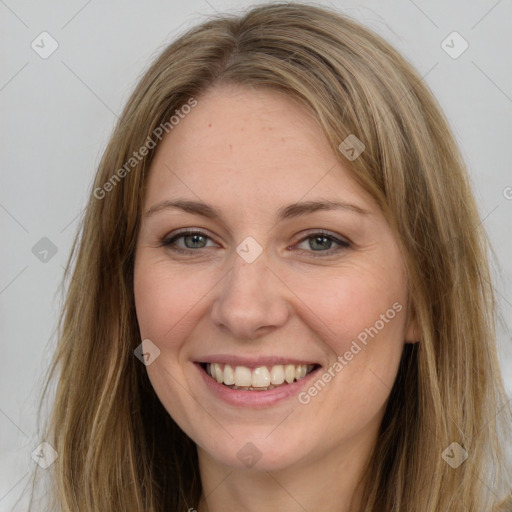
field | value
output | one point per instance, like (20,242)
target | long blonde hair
(118,449)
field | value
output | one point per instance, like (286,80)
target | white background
(57,114)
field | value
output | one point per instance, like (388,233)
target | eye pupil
(320,242)
(196,239)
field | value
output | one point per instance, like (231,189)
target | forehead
(241,145)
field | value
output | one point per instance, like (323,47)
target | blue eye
(192,240)
(320,243)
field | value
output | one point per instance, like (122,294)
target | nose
(252,300)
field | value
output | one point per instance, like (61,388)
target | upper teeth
(260,377)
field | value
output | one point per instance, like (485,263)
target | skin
(248,153)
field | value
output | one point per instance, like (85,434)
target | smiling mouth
(262,378)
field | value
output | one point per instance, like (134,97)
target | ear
(412,332)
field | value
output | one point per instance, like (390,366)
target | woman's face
(260,259)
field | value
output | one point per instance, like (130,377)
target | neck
(330,482)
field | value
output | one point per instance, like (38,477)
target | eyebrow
(286,212)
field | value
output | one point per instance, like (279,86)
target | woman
(280,298)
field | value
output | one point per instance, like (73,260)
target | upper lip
(253,362)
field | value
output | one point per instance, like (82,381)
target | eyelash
(342,244)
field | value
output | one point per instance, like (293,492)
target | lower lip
(254,399)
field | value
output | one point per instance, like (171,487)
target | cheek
(167,305)
(363,329)
(166,301)
(353,303)
(362,313)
